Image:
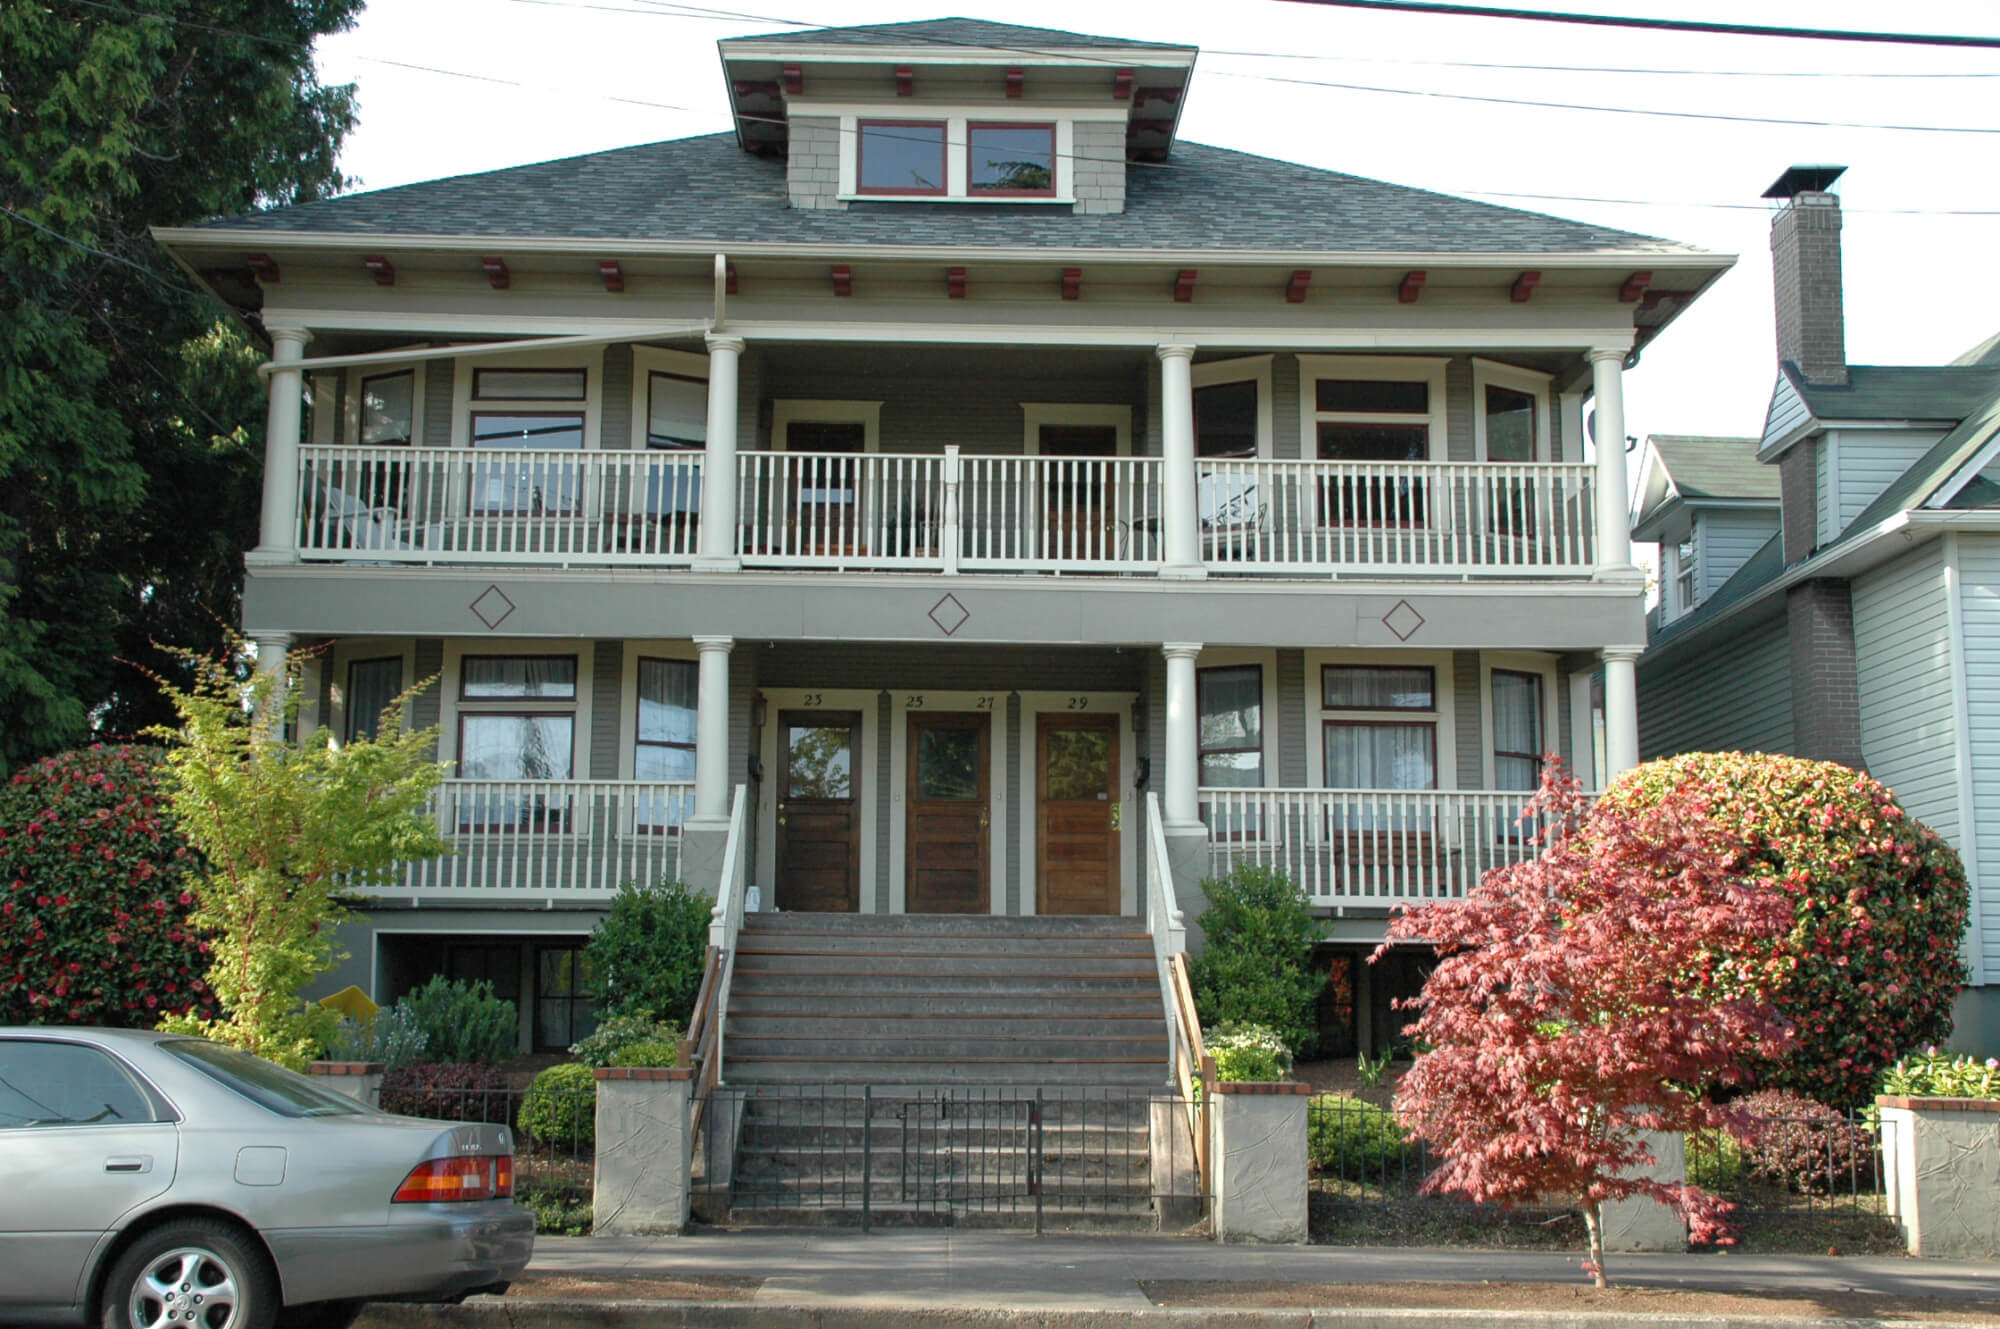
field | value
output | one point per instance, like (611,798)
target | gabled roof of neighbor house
(1897,392)
(707,189)
(947,32)
(1702,466)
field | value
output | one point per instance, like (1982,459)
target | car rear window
(284,1092)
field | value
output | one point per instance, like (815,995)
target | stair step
(1040,948)
(754,980)
(892,1136)
(995,965)
(944,925)
(932,1026)
(1148,1073)
(873,1046)
(898,1005)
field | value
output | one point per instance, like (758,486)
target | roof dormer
(956,111)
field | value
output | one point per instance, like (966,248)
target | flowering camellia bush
(1567,1018)
(95,896)
(1870,964)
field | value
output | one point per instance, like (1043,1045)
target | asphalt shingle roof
(708,189)
(1899,392)
(1706,467)
(950,32)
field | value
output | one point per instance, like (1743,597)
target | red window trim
(974,126)
(860,163)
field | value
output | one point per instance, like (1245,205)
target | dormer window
(902,157)
(1017,160)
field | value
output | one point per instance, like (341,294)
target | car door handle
(131,1163)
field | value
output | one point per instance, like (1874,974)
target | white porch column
(1180,805)
(272,648)
(711,730)
(1621,711)
(278,531)
(1178,509)
(718,475)
(1614,516)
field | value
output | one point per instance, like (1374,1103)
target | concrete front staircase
(957,1069)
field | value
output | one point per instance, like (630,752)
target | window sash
(1378,687)
(1380,754)
(371,686)
(530,384)
(1517,729)
(516,745)
(517,677)
(676,412)
(663,744)
(388,409)
(1512,416)
(901,145)
(1012,139)
(1230,725)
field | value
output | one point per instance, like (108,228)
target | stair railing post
(867,1150)
(1035,1156)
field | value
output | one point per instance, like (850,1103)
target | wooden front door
(819,811)
(949,811)
(1077,814)
(1078,524)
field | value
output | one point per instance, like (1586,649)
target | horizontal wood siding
(1786,412)
(607,719)
(1979,572)
(1870,460)
(1902,664)
(1732,693)
(1724,542)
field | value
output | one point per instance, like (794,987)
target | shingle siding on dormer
(1097,168)
(812,165)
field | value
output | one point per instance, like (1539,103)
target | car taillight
(480,1177)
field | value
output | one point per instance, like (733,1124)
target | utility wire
(1607,69)
(1659,24)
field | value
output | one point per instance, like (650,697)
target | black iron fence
(1002,1156)
(555,1138)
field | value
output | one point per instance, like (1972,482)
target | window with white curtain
(516,722)
(1230,702)
(663,748)
(1379,726)
(1517,730)
(371,686)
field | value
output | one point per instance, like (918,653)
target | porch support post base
(704,840)
(716,563)
(643,1154)
(1183,572)
(1260,1163)
(1187,860)
(1642,1223)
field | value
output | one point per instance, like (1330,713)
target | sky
(530,80)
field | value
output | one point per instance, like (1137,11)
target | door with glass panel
(519,415)
(826,490)
(819,811)
(948,816)
(1379,742)
(1077,814)
(1077,521)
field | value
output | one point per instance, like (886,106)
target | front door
(949,801)
(1078,524)
(819,812)
(1077,814)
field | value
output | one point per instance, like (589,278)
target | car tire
(321,1315)
(196,1273)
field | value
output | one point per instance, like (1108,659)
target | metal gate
(963,1155)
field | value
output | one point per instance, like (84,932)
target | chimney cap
(1804,180)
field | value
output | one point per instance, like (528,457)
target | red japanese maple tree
(1568,1014)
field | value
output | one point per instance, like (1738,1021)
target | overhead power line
(1609,69)
(1660,24)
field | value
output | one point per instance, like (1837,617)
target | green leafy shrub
(653,1052)
(560,1107)
(95,884)
(1935,1074)
(560,1211)
(1715,1162)
(448,1091)
(1247,1052)
(617,1032)
(1346,1137)
(393,1037)
(1804,1146)
(1257,966)
(1879,904)
(463,1021)
(650,950)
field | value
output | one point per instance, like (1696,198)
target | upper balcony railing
(946,512)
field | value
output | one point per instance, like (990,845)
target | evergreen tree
(130,413)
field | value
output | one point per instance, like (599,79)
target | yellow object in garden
(353,1003)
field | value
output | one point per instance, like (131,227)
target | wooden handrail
(698,1048)
(1197,1075)
(704,1007)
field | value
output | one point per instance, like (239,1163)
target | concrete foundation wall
(1260,1163)
(643,1154)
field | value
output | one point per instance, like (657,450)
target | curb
(537,1314)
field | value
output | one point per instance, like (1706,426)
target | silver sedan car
(154,1182)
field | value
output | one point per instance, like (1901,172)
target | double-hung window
(371,686)
(516,724)
(676,421)
(1379,726)
(663,747)
(528,412)
(1684,565)
(1381,416)
(1518,741)
(1230,739)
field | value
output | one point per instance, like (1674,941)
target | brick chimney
(1805,267)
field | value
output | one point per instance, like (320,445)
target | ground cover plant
(1877,904)
(1566,1016)
(94,895)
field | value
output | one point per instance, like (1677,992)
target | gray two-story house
(891,502)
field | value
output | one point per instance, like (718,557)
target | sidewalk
(973,1279)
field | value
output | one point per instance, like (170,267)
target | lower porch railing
(535,839)
(1370,846)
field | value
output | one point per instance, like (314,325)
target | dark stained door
(1079,526)
(949,802)
(1077,814)
(819,811)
